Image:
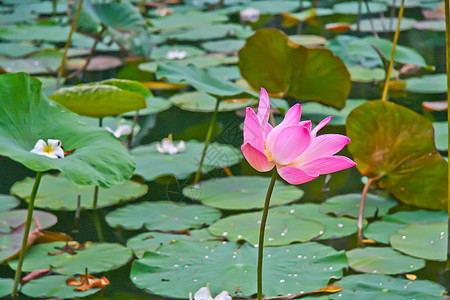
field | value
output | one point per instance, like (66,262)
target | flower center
(48,149)
(269,157)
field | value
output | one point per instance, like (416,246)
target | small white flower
(204,294)
(122,129)
(176,54)
(250,14)
(163,11)
(50,149)
(167,146)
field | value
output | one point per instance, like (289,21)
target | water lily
(250,14)
(122,129)
(51,148)
(292,146)
(204,294)
(176,54)
(167,146)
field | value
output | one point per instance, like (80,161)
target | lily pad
(348,205)
(98,158)
(308,40)
(317,112)
(182,164)
(382,260)
(58,193)
(102,99)
(352,8)
(334,227)
(43,61)
(427,241)
(38,32)
(188,19)
(54,287)
(383,287)
(202,81)
(96,257)
(381,231)
(225,72)
(151,241)
(391,140)
(201,62)
(288,269)
(281,229)
(203,102)
(8,202)
(366,75)
(6,286)
(384,24)
(285,65)
(268,7)
(165,216)
(242,192)
(427,84)
(441,135)
(154,105)
(209,32)
(14,218)
(224,46)
(159,53)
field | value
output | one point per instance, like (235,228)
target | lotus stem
(94,203)
(133,125)
(262,230)
(447,52)
(362,206)
(98,226)
(17,276)
(391,62)
(207,141)
(69,39)
(358,21)
(369,15)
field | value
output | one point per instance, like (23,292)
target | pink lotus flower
(299,155)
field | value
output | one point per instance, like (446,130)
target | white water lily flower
(122,129)
(167,146)
(250,14)
(50,149)
(204,294)
(176,54)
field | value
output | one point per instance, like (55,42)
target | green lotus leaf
(366,75)
(182,164)
(384,24)
(154,105)
(308,39)
(54,286)
(427,84)
(441,135)
(151,241)
(383,287)
(352,8)
(201,62)
(14,218)
(226,266)
(164,216)
(209,32)
(382,260)
(268,8)
(188,19)
(381,231)
(334,227)
(225,72)
(202,81)
(226,45)
(348,205)
(42,61)
(8,202)
(270,60)
(97,258)
(159,53)
(58,193)
(281,229)
(317,112)
(6,286)
(20,49)
(397,143)
(37,32)
(427,241)
(103,99)
(241,192)
(203,102)
(27,116)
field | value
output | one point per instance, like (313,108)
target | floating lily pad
(334,227)
(6,286)
(226,72)
(365,75)
(410,166)
(201,62)
(14,218)
(203,102)
(382,260)
(98,157)
(160,53)
(383,287)
(281,229)
(96,257)
(182,164)
(441,135)
(268,7)
(317,112)
(43,61)
(58,193)
(20,49)
(288,269)
(209,32)
(427,84)
(224,46)
(163,216)
(381,231)
(151,241)
(37,32)
(348,205)
(54,287)
(285,65)
(352,8)
(188,19)
(308,40)
(242,192)
(427,241)
(418,216)
(383,25)
(8,202)
(154,105)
